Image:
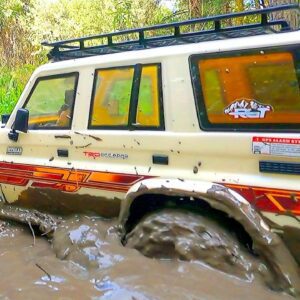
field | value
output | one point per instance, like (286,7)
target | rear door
(124,131)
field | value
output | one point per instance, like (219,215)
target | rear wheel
(176,234)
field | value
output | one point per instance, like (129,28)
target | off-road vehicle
(202,118)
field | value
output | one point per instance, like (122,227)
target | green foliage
(16,48)
(12,84)
(62,19)
(9,10)
(49,95)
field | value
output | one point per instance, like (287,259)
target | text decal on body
(276,146)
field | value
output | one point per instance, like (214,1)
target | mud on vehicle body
(205,121)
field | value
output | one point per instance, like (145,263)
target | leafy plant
(12,84)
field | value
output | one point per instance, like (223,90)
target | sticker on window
(247,109)
(276,146)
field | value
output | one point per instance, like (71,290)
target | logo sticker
(14,151)
(247,109)
(95,155)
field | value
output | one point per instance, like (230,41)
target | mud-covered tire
(175,234)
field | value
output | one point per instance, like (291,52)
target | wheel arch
(217,196)
(265,242)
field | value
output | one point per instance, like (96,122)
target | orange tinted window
(253,88)
(148,104)
(112,95)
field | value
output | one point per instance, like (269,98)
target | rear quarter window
(248,90)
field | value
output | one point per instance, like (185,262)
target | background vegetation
(25,23)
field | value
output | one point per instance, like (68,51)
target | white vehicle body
(122,158)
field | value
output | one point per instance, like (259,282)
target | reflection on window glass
(251,88)
(278,83)
(148,104)
(112,95)
(51,103)
(213,90)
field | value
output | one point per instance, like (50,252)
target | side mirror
(21,124)
(21,121)
(4,118)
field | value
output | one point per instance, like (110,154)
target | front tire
(177,234)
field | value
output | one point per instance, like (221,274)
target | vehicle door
(35,166)
(125,125)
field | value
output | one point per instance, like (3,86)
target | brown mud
(291,236)
(190,237)
(83,258)
(57,202)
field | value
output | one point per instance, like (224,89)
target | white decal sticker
(14,151)
(247,109)
(276,146)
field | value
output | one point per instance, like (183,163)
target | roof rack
(151,37)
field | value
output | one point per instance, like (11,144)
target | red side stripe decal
(270,200)
(65,179)
(264,199)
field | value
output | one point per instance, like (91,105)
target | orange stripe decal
(270,200)
(65,179)
(70,180)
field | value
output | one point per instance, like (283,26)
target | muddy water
(85,260)
(191,237)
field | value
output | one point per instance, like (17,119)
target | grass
(12,83)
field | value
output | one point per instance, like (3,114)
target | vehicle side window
(248,90)
(112,97)
(148,113)
(51,102)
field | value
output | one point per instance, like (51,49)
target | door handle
(160,159)
(62,152)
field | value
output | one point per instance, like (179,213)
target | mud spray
(82,257)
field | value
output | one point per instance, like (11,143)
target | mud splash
(57,202)
(86,260)
(291,236)
(193,237)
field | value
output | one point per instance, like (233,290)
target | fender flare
(265,242)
